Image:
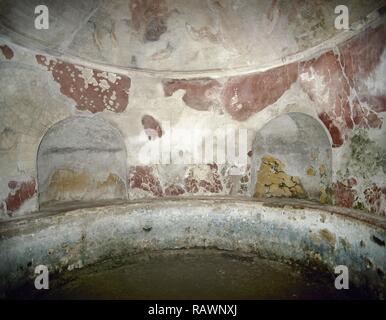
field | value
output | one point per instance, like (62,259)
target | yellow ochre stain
(68,184)
(310,171)
(272,181)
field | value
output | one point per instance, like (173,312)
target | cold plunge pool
(192,274)
(195,249)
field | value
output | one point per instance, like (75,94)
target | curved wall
(340,84)
(81,159)
(295,162)
(181,36)
(297,232)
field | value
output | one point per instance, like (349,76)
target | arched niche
(292,158)
(81,159)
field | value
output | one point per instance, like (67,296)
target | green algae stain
(360,206)
(367,158)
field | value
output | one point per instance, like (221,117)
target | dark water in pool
(192,274)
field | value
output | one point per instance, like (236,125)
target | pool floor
(191,274)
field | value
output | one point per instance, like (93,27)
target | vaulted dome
(178,35)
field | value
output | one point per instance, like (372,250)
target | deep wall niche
(292,158)
(81,159)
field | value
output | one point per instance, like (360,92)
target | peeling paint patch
(203,179)
(365,160)
(152,127)
(200,94)
(360,56)
(273,181)
(21,192)
(335,132)
(92,90)
(244,181)
(174,190)
(343,192)
(243,96)
(338,106)
(324,82)
(375,197)
(143,177)
(7,51)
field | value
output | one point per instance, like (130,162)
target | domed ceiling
(178,35)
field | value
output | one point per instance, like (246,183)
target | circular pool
(216,248)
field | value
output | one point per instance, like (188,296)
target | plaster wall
(81,158)
(336,80)
(304,150)
(294,232)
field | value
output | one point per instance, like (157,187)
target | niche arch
(292,157)
(81,159)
